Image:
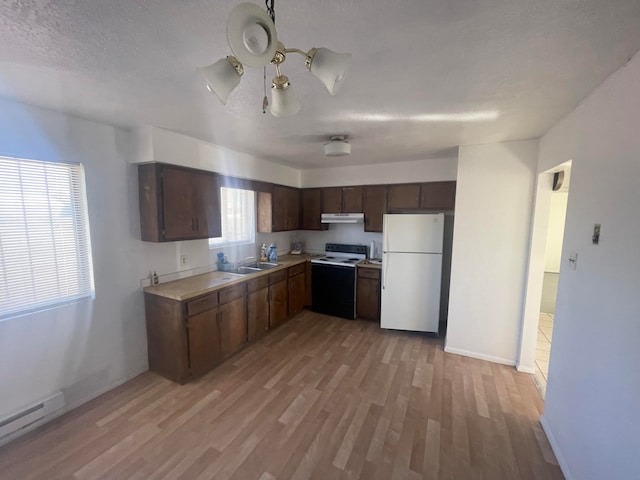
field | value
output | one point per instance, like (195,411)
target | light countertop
(196,285)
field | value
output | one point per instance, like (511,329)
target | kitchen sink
(263,265)
(254,268)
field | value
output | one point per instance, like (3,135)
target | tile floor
(543,349)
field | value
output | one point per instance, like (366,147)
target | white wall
(591,410)
(490,245)
(557,214)
(87,347)
(428,170)
(159,145)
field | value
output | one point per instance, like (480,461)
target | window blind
(238,217)
(45,253)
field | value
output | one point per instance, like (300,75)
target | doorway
(545,259)
(552,261)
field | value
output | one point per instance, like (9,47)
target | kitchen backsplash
(340,233)
(167,262)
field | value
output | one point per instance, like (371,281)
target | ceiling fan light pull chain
(265,100)
(271,10)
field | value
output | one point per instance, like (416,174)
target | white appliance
(411,271)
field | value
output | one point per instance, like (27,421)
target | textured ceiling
(133,63)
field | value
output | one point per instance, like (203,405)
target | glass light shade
(330,67)
(221,78)
(284,102)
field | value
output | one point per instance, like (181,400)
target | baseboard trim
(556,449)
(525,369)
(67,408)
(480,356)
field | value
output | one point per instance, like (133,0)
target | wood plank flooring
(319,398)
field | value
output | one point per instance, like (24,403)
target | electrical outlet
(183,260)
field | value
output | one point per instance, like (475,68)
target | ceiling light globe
(221,78)
(284,101)
(330,67)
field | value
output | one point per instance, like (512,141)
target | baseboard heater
(30,415)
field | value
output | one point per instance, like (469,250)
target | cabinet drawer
(297,269)
(276,277)
(256,284)
(231,293)
(202,304)
(365,272)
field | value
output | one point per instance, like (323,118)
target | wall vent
(30,415)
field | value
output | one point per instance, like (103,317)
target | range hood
(342,218)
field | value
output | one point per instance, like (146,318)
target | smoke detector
(337,147)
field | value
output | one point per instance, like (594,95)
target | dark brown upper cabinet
(375,206)
(178,203)
(404,196)
(438,196)
(279,211)
(311,209)
(342,200)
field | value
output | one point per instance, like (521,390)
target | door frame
(535,269)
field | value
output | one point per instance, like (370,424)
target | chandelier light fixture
(252,37)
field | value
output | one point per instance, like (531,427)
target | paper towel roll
(372,250)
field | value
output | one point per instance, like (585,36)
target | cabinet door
(438,196)
(278,300)
(368,294)
(296,294)
(285,209)
(404,196)
(204,342)
(332,200)
(352,199)
(233,326)
(311,201)
(207,206)
(178,203)
(375,206)
(258,312)
(293,209)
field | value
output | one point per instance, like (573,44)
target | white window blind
(238,217)
(45,254)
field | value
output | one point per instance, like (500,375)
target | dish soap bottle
(263,253)
(273,255)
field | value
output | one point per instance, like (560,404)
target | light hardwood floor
(320,398)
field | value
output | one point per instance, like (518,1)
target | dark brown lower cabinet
(257,306)
(204,342)
(296,289)
(278,302)
(233,326)
(188,338)
(368,294)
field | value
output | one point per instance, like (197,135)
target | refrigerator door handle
(385,269)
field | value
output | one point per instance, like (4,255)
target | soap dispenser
(263,253)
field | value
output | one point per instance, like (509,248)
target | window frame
(62,229)
(214,243)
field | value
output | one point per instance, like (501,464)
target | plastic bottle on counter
(263,253)
(273,255)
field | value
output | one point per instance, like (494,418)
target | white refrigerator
(411,271)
